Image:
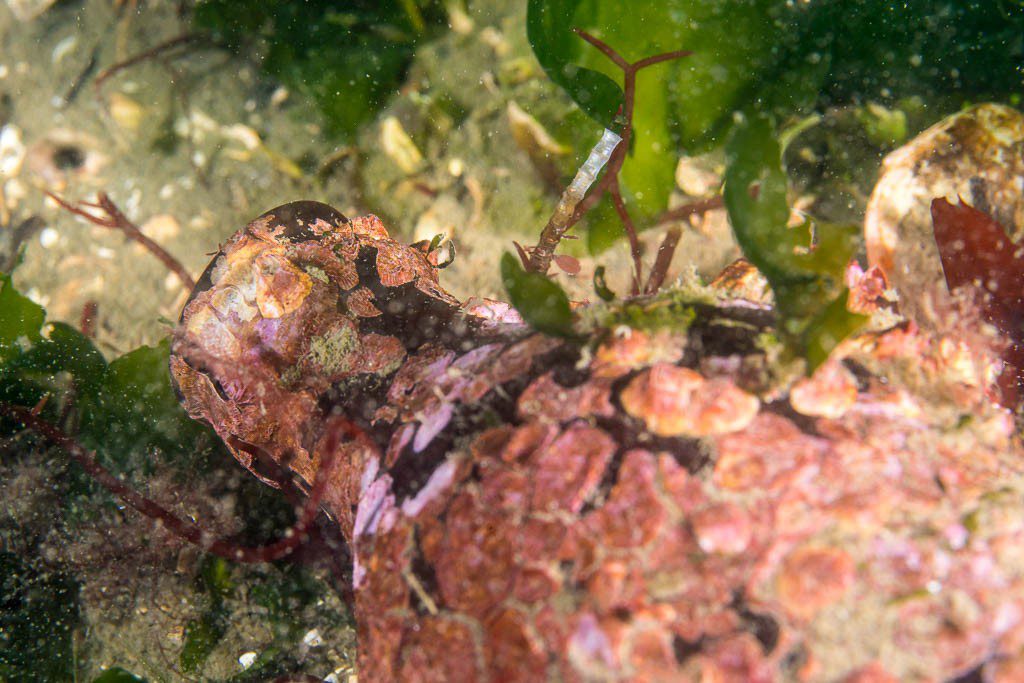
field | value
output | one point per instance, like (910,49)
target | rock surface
(652,504)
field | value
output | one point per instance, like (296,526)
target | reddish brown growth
(977,252)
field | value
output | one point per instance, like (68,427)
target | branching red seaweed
(609,182)
(112,217)
(291,539)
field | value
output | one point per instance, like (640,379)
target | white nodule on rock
(246,659)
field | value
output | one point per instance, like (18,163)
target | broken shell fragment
(399,147)
(12,151)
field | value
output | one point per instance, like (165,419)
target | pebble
(126,112)
(48,237)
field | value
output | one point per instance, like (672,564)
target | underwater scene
(512,340)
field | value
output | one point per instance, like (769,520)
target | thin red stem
(604,47)
(658,59)
(292,538)
(116,220)
(631,234)
(663,260)
(87,322)
(686,210)
(609,181)
(141,57)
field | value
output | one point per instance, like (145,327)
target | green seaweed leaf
(806,278)
(201,637)
(127,410)
(541,302)
(116,674)
(549,30)
(347,58)
(20,319)
(775,56)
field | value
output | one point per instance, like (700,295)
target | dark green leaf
(541,302)
(201,637)
(600,287)
(549,25)
(38,617)
(116,674)
(806,278)
(20,318)
(135,413)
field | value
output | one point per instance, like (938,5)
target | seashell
(530,135)
(126,112)
(63,156)
(399,146)
(12,151)
(26,10)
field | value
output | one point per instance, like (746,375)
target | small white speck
(933,587)
(247,659)
(313,638)
(4,70)
(105,253)
(48,237)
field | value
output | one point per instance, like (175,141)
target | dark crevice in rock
(762,626)
(859,372)
(975,675)
(608,480)
(685,649)
(424,572)
(783,408)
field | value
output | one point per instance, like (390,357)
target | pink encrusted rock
(544,399)
(871,673)
(674,401)
(768,455)
(813,578)
(736,659)
(512,515)
(567,473)
(829,392)
(724,528)
(630,349)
